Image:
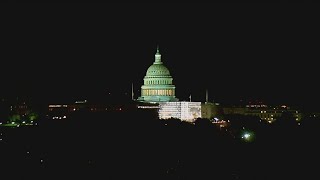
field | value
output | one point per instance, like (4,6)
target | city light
(247,136)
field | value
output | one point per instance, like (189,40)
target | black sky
(250,51)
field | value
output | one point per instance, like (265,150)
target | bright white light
(55,105)
(64,117)
(216,119)
(12,122)
(246,135)
(23,122)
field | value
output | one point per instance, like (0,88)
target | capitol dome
(158,85)
(158,70)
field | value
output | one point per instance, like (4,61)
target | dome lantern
(157,57)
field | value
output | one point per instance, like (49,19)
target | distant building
(20,108)
(264,112)
(158,86)
(62,111)
(209,110)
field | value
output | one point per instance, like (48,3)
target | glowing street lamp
(247,136)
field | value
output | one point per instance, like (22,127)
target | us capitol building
(158,85)
(159,93)
(158,88)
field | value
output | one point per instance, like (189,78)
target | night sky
(268,52)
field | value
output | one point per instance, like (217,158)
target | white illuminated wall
(186,111)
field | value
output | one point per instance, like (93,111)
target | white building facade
(186,111)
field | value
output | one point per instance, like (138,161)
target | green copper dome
(158,70)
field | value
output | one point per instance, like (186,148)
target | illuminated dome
(158,70)
(158,85)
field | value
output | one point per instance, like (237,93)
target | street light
(247,136)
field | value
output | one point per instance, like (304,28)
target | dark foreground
(136,145)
